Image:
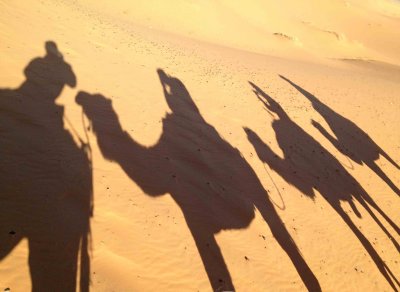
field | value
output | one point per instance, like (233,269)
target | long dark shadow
(308,166)
(349,139)
(208,178)
(45,178)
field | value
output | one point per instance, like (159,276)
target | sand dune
(199,145)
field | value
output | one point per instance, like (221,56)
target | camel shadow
(208,178)
(45,178)
(308,166)
(349,139)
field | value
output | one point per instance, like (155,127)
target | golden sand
(199,145)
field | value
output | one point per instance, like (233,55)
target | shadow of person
(45,178)
(308,166)
(350,139)
(208,178)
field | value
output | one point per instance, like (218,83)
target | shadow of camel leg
(380,264)
(286,242)
(371,213)
(374,167)
(371,202)
(52,265)
(212,258)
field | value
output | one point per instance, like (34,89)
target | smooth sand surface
(199,145)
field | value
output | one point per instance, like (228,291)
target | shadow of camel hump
(349,139)
(45,178)
(210,181)
(308,166)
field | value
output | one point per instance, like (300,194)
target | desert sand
(199,145)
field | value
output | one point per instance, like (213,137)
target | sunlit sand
(199,145)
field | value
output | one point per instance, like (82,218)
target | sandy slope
(341,64)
